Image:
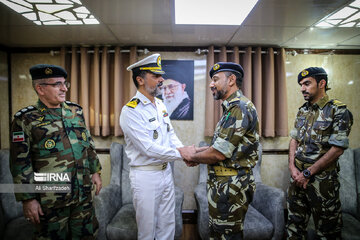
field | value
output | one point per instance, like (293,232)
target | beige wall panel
(274,171)
(23,94)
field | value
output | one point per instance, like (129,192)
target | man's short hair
(140,73)
(38,81)
(239,78)
(318,73)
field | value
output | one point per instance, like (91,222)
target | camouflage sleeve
(235,125)
(342,123)
(293,131)
(93,158)
(20,157)
(94,162)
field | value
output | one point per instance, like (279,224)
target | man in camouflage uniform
(319,137)
(232,154)
(51,137)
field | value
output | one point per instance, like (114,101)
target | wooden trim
(102,150)
(275,151)
(189,217)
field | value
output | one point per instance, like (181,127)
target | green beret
(41,71)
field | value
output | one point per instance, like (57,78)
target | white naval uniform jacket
(148,133)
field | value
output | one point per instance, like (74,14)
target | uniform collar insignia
(41,106)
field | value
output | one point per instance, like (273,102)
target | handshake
(188,153)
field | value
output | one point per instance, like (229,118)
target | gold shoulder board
(338,103)
(133,103)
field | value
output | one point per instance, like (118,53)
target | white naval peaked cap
(151,63)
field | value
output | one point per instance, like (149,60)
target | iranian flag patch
(18,137)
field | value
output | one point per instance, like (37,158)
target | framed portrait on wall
(177,90)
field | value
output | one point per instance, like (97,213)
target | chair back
(11,208)
(257,168)
(120,171)
(348,186)
(125,179)
(357,175)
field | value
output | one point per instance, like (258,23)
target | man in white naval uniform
(151,144)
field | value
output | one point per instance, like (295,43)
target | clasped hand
(299,178)
(188,153)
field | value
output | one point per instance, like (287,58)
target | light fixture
(212,12)
(348,16)
(52,12)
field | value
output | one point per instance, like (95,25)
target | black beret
(226,67)
(41,71)
(312,71)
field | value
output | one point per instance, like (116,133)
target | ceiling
(277,23)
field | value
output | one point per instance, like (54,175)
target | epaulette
(133,103)
(234,99)
(72,104)
(24,110)
(338,103)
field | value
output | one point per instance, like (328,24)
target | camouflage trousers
(321,200)
(229,198)
(76,221)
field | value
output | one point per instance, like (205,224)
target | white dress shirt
(148,133)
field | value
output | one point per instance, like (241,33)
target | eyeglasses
(57,84)
(170,87)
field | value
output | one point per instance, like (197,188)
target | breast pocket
(322,131)
(299,125)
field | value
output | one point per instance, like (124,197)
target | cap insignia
(158,61)
(304,73)
(48,71)
(216,67)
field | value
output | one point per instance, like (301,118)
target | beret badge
(304,73)
(48,71)
(216,67)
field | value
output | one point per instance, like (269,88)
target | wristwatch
(307,173)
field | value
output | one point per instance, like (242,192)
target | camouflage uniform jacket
(237,133)
(319,126)
(49,140)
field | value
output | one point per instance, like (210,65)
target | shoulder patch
(24,110)
(72,104)
(338,103)
(133,103)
